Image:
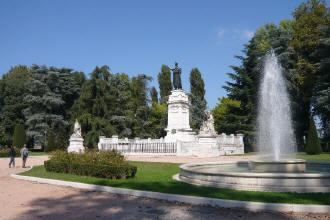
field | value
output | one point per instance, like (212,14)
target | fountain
(276,169)
(275,136)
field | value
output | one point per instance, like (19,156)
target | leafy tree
(19,137)
(158,119)
(321,90)
(154,95)
(198,102)
(12,92)
(306,40)
(226,116)
(165,83)
(313,145)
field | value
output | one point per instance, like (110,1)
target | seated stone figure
(207,127)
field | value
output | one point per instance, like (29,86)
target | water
(275,137)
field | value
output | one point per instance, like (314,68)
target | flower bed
(92,163)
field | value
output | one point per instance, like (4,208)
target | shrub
(19,137)
(90,157)
(109,164)
(313,145)
(5,152)
(101,171)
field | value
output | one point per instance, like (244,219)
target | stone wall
(201,146)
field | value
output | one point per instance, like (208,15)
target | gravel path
(29,200)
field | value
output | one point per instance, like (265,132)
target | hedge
(5,152)
(102,171)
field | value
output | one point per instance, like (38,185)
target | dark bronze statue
(177,77)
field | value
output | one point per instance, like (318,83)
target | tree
(226,116)
(19,137)
(12,92)
(198,102)
(139,85)
(50,94)
(92,109)
(306,35)
(313,145)
(121,114)
(50,145)
(165,83)
(158,119)
(321,90)
(154,95)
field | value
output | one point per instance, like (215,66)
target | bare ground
(29,200)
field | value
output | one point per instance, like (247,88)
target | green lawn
(157,177)
(32,153)
(325,157)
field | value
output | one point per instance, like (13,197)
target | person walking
(24,154)
(12,155)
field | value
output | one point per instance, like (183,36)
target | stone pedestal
(178,128)
(76,145)
(206,146)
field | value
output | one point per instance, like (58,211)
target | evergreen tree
(198,102)
(50,94)
(154,95)
(50,145)
(19,137)
(92,109)
(313,145)
(141,127)
(121,114)
(165,83)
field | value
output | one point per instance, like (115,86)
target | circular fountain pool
(240,176)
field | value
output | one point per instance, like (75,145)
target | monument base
(76,145)
(206,146)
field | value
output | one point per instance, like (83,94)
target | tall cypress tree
(198,102)
(165,83)
(313,145)
(154,95)
(19,137)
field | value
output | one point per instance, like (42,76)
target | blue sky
(135,37)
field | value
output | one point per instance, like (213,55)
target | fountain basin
(239,176)
(281,166)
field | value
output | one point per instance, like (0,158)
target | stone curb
(250,206)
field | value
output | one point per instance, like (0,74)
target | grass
(323,157)
(157,177)
(37,153)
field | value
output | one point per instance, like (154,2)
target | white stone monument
(178,128)
(207,144)
(76,140)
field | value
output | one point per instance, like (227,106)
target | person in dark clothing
(12,155)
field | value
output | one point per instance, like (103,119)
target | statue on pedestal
(207,127)
(76,140)
(177,76)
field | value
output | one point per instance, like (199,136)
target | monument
(180,139)
(76,140)
(178,128)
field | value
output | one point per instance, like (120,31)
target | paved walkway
(29,200)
